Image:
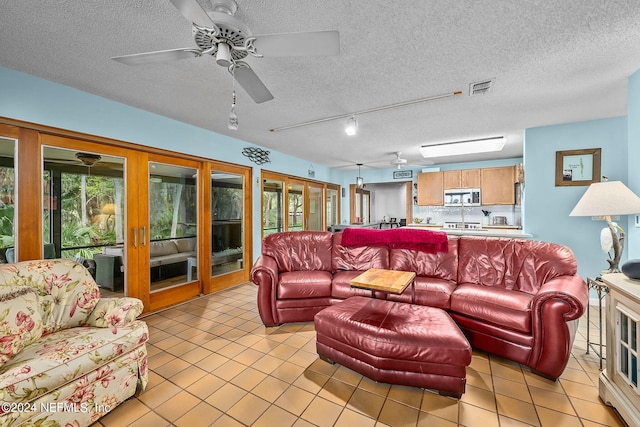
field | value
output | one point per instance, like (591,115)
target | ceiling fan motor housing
(233,32)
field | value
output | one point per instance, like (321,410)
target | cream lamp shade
(609,198)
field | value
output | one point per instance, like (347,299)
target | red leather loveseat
(519,299)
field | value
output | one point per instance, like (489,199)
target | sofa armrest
(572,290)
(265,275)
(114,312)
(555,312)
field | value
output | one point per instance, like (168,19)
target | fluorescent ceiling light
(457,148)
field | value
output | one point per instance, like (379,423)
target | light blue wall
(27,98)
(547,207)
(633,126)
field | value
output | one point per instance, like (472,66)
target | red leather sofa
(518,299)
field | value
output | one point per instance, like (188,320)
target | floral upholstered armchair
(67,356)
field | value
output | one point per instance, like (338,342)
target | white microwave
(462,197)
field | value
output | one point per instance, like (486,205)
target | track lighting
(456,148)
(352,126)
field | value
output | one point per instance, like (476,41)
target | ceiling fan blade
(191,10)
(157,56)
(315,43)
(251,83)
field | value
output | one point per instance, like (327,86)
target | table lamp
(607,199)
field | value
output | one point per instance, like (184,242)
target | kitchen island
(513,233)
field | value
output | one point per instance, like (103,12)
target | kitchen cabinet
(430,189)
(497,185)
(465,178)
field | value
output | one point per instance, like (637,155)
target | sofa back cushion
(66,291)
(299,250)
(188,244)
(358,258)
(20,320)
(441,265)
(163,247)
(513,264)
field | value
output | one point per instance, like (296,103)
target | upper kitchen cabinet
(430,189)
(466,178)
(498,185)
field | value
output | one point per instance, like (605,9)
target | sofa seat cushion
(304,284)
(64,356)
(509,309)
(170,259)
(432,292)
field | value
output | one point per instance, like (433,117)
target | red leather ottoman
(395,343)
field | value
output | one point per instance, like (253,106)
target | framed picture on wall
(402,174)
(577,167)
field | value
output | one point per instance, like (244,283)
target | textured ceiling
(552,61)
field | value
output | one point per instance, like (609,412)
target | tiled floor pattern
(213,363)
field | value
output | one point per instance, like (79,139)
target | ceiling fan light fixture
(457,148)
(352,126)
(223,56)
(88,159)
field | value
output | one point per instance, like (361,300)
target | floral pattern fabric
(20,321)
(72,356)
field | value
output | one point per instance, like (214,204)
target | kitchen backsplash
(442,214)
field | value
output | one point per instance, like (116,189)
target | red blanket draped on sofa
(400,238)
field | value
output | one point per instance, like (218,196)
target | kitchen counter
(339,227)
(513,233)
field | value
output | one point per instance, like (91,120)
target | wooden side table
(601,289)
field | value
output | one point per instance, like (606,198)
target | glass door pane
(272,206)
(295,200)
(314,222)
(172,228)
(7,199)
(366,207)
(83,212)
(227,220)
(332,206)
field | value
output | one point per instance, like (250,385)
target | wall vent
(481,87)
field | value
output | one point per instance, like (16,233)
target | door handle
(135,237)
(143,236)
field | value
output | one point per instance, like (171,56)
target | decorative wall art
(256,155)
(577,167)
(402,174)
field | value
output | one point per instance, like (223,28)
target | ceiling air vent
(481,87)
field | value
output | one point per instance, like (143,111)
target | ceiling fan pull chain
(233,117)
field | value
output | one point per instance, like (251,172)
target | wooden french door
(169,201)
(140,201)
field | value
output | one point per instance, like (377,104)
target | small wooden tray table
(378,279)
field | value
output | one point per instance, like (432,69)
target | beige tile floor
(213,363)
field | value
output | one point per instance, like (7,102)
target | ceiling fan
(220,34)
(85,159)
(398,161)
